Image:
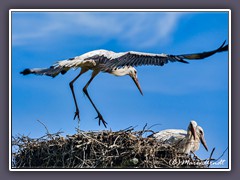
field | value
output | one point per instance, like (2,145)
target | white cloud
(165,28)
(137,29)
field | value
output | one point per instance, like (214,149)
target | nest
(103,149)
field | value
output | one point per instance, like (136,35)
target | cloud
(142,29)
(165,27)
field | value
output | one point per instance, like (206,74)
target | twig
(48,134)
(143,130)
(94,139)
(144,127)
(196,157)
(153,125)
(210,158)
(222,154)
(116,140)
(130,128)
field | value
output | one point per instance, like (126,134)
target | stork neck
(120,71)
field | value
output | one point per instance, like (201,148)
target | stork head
(192,129)
(127,70)
(132,72)
(200,134)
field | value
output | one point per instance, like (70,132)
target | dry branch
(102,149)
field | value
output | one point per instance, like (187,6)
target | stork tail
(59,67)
(51,71)
(26,71)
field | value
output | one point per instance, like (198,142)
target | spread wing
(132,58)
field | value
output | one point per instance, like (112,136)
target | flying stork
(118,64)
(185,141)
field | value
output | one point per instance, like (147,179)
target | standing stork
(118,64)
(185,141)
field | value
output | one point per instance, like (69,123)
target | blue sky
(173,94)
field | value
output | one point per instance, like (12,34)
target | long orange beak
(203,141)
(135,79)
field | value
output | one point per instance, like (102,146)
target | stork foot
(100,118)
(77,115)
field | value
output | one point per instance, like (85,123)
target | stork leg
(72,90)
(100,118)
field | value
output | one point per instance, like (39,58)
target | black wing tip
(26,71)
(63,72)
(222,47)
(225,48)
(223,43)
(182,61)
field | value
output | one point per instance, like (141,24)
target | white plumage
(184,141)
(118,64)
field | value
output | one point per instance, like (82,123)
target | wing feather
(138,58)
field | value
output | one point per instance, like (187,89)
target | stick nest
(103,149)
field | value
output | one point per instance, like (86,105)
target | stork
(118,64)
(185,141)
